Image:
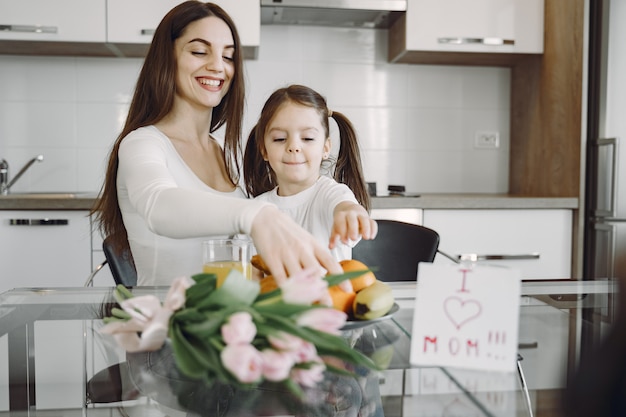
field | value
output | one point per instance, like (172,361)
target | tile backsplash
(416,123)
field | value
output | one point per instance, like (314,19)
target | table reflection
(51,356)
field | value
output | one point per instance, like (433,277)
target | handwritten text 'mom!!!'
(459,346)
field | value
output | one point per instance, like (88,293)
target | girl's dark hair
(153,99)
(258,175)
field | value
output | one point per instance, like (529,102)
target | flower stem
(268,301)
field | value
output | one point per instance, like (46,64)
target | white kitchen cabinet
(479,26)
(44,248)
(134,22)
(511,232)
(59,20)
(407,215)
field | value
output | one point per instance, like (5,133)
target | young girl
(287,154)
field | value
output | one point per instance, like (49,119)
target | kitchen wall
(416,123)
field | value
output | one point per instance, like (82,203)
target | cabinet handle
(147,31)
(529,345)
(39,222)
(29,28)
(474,257)
(507,257)
(482,41)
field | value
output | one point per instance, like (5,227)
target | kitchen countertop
(48,201)
(84,201)
(474,201)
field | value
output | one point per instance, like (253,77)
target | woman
(169,184)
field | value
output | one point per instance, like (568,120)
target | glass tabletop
(51,352)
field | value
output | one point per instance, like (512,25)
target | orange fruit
(268,283)
(361,281)
(341,300)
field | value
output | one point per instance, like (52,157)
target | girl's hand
(287,248)
(351,222)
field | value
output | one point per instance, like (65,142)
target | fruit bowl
(355,324)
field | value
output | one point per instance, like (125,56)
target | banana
(373,301)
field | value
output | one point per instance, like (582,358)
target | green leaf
(205,284)
(236,290)
(294,388)
(189,315)
(282,308)
(191,358)
(121,293)
(120,314)
(336,279)
(275,293)
(340,371)
(208,327)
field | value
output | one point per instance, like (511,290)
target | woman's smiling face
(205,62)
(295,145)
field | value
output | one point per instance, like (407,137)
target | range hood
(375,14)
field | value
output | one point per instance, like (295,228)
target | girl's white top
(313,209)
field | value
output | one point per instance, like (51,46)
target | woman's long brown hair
(258,175)
(153,99)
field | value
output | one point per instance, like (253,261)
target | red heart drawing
(461,311)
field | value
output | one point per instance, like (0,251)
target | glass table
(50,349)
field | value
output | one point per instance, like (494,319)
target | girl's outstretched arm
(351,222)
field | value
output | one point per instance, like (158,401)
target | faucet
(5,184)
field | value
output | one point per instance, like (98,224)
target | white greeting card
(466,317)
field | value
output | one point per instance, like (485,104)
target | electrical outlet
(487,140)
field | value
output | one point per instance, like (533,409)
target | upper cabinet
(59,20)
(59,27)
(475,32)
(131,24)
(103,27)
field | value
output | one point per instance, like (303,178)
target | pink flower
(243,361)
(309,377)
(327,320)
(307,352)
(175,297)
(276,364)
(284,341)
(147,317)
(305,287)
(239,329)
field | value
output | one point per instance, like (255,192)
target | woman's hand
(287,248)
(351,222)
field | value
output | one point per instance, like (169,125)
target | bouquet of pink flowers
(235,334)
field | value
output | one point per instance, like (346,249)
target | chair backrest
(121,264)
(397,249)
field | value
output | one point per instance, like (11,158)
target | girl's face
(205,62)
(295,145)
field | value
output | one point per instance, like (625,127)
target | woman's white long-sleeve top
(168,211)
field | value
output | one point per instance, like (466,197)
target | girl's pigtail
(348,168)
(258,178)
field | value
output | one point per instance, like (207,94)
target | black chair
(121,265)
(113,383)
(397,249)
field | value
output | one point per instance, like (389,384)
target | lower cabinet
(44,248)
(538,242)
